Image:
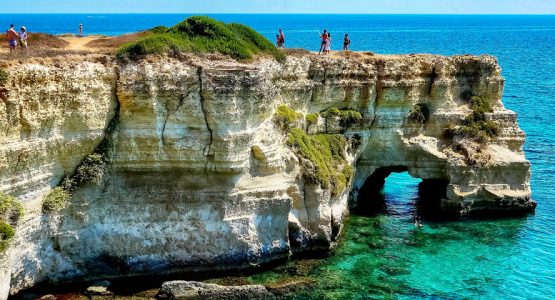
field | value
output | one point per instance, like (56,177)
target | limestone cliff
(200,177)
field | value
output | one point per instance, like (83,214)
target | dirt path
(78,43)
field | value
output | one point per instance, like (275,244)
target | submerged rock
(99,288)
(192,290)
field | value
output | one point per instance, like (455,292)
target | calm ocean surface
(386,256)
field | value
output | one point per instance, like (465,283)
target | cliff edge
(202,163)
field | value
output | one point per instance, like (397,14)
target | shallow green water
(391,256)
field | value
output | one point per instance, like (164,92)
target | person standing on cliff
(12,38)
(281,39)
(23,38)
(80,30)
(324,37)
(327,49)
(346,42)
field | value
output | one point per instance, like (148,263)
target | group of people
(15,38)
(325,46)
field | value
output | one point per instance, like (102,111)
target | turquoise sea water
(386,256)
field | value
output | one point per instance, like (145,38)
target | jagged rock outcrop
(200,178)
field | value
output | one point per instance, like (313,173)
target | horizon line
(234,13)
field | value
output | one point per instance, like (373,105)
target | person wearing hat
(23,38)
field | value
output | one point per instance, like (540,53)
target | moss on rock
(311,119)
(11,211)
(6,234)
(56,200)
(347,117)
(286,118)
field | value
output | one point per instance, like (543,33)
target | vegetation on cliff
(202,34)
(311,119)
(475,126)
(286,118)
(11,212)
(91,170)
(323,159)
(323,156)
(56,200)
(419,113)
(347,117)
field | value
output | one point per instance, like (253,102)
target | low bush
(202,34)
(323,159)
(56,200)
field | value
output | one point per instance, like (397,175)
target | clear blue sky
(283,6)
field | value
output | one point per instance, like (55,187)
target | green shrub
(155,44)
(6,234)
(56,200)
(323,159)
(202,34)
(91,169)
(3,77)
(311,119)
(285,117)
(11,210)
(420,113)
(347,117)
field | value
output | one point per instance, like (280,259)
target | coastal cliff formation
(209,164)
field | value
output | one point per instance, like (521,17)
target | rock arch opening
(374,197)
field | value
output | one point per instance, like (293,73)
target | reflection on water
(388,255)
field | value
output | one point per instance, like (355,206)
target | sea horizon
(508,258)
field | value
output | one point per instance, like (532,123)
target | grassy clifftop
(201,34)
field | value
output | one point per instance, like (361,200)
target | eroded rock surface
(200,178)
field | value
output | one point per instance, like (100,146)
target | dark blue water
(386,256)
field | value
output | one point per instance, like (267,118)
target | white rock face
(200,178)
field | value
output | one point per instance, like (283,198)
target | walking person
(328,45)
(346,42)
(23,38)
(12,38)
(281,39)
(324,37)
(80,30)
